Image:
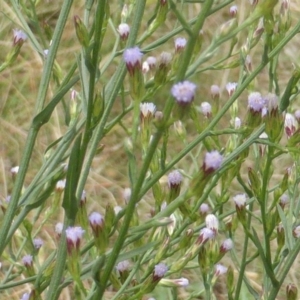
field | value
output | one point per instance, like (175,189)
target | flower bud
(215,92)
(74,236)
(159,271)
(206,109)
(296,232)
(291,292)
(180,44)
(164,65)
(133,59)
(212,223)
(231,87)
(233,10)
(212,162)
(124,30)
(81,32)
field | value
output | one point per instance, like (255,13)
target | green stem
(30,142)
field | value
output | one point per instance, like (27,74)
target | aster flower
(14,171)
(283,200)
(256,102)
(206,109)
(184,92)
(226,246)
(74,236)
(220,270)
(204,209)
(133,59)
(237,123)
(240,201)
(151,60)
(233,10)
(159,271)
(147,110)
(19,36)
(123,266)
(290,124)
(180,44)
(215,91)
(164,59)
(25,296)
(231,87)
(212,161)
(123,30)
(38,243)
(212,222)
(205,235)
(27,260)
(59,228)
(174,179)
(296,232)
(96,221)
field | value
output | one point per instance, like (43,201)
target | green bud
(81,32)
(230,281)
(280,236)
(255,182)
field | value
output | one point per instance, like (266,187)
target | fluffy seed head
(147,109)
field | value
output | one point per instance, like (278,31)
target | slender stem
(30,142)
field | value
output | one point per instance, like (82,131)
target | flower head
(74,236)
(256,102)
(296,232)
(212,222)
(60,185)
(226,246)
(133,59)
(220,270)
(205,235)
(283,200)
(184,92)
(159,271)
(240,201)
(237,123)
(233,10)
(231,87)
(15,170)
(25,296)
(123,30)
(215,91)
(204,209)
(96,221)
(59,228)
(147,110)
(164,59)
(19,36)
(180,44)
(127,194)
(297,115)
(290,125)
(38,243)
(27,260)
(206,109)
(151,60)
(123,266)
(174,179)
(212,161)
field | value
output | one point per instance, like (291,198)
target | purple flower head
(159,271)
(19,36)
(215,91)
(205,235)
(123,30)
(233,10)
(206,109)
(133,59)
(226,246)
(212,161)
(38,243)
(184,92)
(123,266)
(27,260)
(290,125)
(180,44)
(204,209)
(256,102)
(174,179)
(231,87)
(220,270)
(74,236)
(151,60)
(25,296)
(96,222)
